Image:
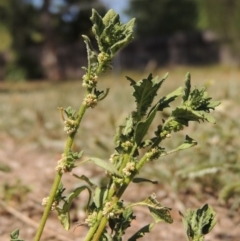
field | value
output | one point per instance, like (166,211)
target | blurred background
(41,39)
(41,55)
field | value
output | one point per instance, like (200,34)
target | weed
(108,216)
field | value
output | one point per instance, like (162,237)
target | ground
(31,143)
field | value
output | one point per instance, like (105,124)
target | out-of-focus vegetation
(33,37)
(29,35)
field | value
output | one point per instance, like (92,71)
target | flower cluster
(90,82)
(129,168)
(45,201)
(65,164)
(70,126)
(90,100)
(127,145)
(154,153)
(91,219)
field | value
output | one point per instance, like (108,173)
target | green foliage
(64,211)
(198,223)
(134,146)
(14,235)
(222,18)
(163,17)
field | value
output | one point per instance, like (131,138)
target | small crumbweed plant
(107,215)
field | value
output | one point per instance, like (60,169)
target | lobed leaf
(144,92)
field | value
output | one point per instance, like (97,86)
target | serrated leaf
(141,232)
(142,179)
(108,166)
(144,92)
(143,126)
(64,212)
(99,196)
(185,114)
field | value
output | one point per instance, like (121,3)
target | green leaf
(98,25)
(64,212)
(144,92)
(108,166)
(110,33)
(99,196)
(128,128)
(185,114)
(164,102)
(187,88)
(142,179)
(198,223)
(189,142)
(143,126)
(157,211)
(141,232)
(14,235)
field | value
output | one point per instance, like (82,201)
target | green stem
(48,207)
(93,229)
(58,176)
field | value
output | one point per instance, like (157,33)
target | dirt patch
(34,168)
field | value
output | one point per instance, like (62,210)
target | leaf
(99,196)
(198,223)
(189,142)
(187,88)
(14,235)
(157,211)
(185,114)
(142,179)
(98,25)
(144,92)
(128,127)
(141,232)
(64,212)
(108,166)
(84,178)
(110,33)
(164,102)
(143,126)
